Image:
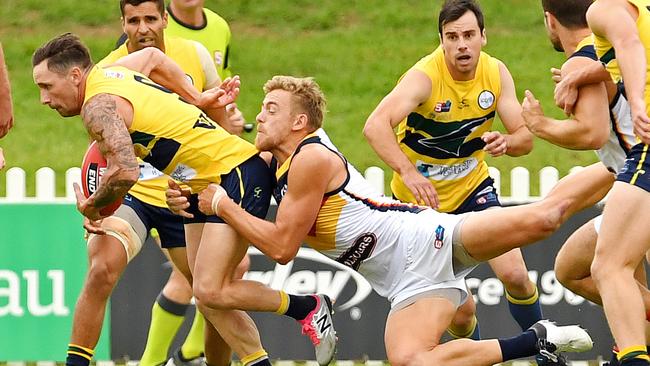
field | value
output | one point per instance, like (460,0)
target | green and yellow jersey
(442,136)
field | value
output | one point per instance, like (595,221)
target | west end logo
(330,278)
(486,99)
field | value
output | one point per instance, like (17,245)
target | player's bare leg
(623,241)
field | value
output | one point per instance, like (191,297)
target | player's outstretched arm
(106,121)
(411,91)
(296,213)
(518,141)
(589,127)
(616,21)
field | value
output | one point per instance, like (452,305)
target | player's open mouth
(463,58)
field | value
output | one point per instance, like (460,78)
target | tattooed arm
(105,117)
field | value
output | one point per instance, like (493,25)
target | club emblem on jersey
(440,237)
(443,106)
(485,99)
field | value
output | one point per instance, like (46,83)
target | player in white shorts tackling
(412,255)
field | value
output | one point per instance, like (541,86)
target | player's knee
(516,280)
(545,222)
(211,296)
(102,277)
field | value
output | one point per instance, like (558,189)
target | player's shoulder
(214,18)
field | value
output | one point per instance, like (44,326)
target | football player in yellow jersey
(444,107)
(405,251)
(622,40)
(124,112)
(143,24)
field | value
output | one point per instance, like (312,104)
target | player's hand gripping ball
(92,168)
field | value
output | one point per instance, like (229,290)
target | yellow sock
(195,341)
(284,303)
(254,357)
(639,352)
(166,318)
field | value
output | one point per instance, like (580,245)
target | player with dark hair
(129,115)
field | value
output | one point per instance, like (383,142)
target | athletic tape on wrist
(218,195)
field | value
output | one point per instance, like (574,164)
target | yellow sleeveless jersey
(214,35)
(605,50)
(182,51)
(173,136)
(152,184)
(442,137)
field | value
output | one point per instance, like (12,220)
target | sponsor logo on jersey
(440,237)
(446,172)
(112,74)
(218,58)
(443,106)
(359,251)
(183,173)
(486,99)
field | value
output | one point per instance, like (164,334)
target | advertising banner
(43,263)
(360,313)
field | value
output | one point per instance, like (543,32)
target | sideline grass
(356,50)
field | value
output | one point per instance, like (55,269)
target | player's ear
(165,17)
(75,75)
(483,38)
(300,122)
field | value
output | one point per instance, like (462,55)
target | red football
(92,168)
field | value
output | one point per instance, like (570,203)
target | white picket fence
(15,181)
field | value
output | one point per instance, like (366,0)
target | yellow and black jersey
(173,136)
(152,184)
(442,137)
(182,51)
(214,35)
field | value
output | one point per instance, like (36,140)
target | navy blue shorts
(250,185)
(483,197)
(169,226)
(635,167)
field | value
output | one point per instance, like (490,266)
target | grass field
(355,49)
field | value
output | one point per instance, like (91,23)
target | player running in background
(443,108)
(6,107)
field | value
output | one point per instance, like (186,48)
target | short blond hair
(307,94)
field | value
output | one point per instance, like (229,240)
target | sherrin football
(92,168)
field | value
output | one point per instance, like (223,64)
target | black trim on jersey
(612,118)
(141,138)
(185,25)
(317,140)
(588,51)
(620,91)
(448,139)
(387,206)
(608,56)
(162,153)
(121,40)
(225,57)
